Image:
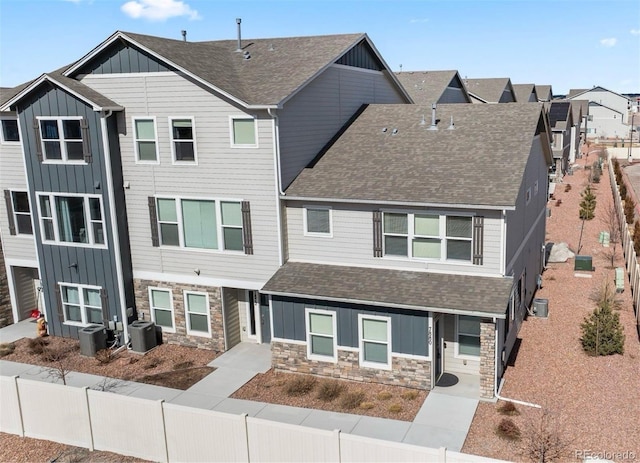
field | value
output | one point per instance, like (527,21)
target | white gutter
(279,193)
(503,248)
(114,226)
(400,203)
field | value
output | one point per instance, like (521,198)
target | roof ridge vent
(394,131)
(246,55)
(451,125)
(384,129)
(271,47)
(434,123)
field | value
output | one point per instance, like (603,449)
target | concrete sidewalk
(443,420)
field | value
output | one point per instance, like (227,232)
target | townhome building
(608,111)
(153,169)
(415,243)
(490,90)
(434,87)
(561,122)
(525,93)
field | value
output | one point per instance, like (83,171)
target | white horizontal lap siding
(352,242)
(222,172)
(452,362)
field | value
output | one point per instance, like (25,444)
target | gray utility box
(541,307)
(92,339)
(143,336)
(583,263)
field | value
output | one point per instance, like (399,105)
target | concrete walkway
(443,420)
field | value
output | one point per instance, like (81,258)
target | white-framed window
(145,139)
(243,132)
(322,335)
(317,221)
(428,236)
(81,304)
(196,307)
(61,139)
(374,335)
(21,212)
(10,132)
(468,334)
(161,308)
(183,140)
(200,223)
(71,218)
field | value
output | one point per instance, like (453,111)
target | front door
(265,320)
(438,343)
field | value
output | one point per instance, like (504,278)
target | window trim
(334,324)
(172,141)
(191,332)
(152,312)
(83,307)
(180,222)
(87,214)
(305,225)
(61,140)
(443,237)
(135,139)
(15,214)
(232,131)
(3,141)
(364,363)
(457,353)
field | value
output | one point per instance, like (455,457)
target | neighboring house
(412,251)
(579,112)
(561,124)
(491,90)
(154,169)
(525,93)
(434,87)
(608,111)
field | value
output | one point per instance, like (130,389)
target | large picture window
(62,139)
(374,334)
(321,335)
(197,313)
(161,306)
(468,336)
(76,219)
(183,143)
(81,304)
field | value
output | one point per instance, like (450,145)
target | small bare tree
(612,224)
(109,385)
(60,364)
(543,440)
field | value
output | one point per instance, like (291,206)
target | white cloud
(158,10)
(610,42)
(418,20)
(635,31)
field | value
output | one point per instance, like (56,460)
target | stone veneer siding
(6,315)
(487,359)
(215,342)
(405,372)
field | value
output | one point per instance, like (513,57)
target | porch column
(487,358)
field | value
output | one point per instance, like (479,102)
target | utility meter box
(143,336)
(92,339)
(583,263)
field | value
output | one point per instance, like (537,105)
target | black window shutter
(478,239)
(153,217)
(86,142)
(105,307)
(7,199)
(59,304)
(247,237)
(38,139)
(377,234)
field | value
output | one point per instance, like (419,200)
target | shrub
(329,390)
(567,188)
(37,345)
(384,395)
(300,385)
(602,333)
(629,209)
(395,408)
(588,204)
(508,408)
(507,429)
(7,348)
(352,400)
(104,356)
(367,405)
(152,363)
(409,395)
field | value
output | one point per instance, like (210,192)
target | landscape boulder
(560,252)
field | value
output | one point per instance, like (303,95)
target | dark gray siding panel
(507,97)
(361,56)
(452,95)
(121,57)
(409,329)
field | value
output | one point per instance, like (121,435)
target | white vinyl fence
(158,431)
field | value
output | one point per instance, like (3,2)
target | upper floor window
(146,143)
(82,304)
(243,132)
(183,142)
(201,223)
(10,132)
(62,139)
(317,221)
(21,212)
(76,219)
(428,236)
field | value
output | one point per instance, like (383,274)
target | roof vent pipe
(451,125)
(238,21)
(433,125)
(184,35)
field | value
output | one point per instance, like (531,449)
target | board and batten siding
(313,116)
(13,177)
(452,95)
(352,241)
(222,172)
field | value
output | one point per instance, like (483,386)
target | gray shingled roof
(277,68)
(576,91)
(544,92)
(480,162)
(524,91)
(426,87)
(399,288)
(490,89)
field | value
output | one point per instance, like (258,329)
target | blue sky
(565,43)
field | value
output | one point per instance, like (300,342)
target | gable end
(122,58)
(361,56)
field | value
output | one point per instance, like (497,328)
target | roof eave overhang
(500,207)
(475,313)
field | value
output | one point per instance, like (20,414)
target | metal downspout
(279,192)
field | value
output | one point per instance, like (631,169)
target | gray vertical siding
(94,266)
(121,59)
(409,329)
(453,95)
